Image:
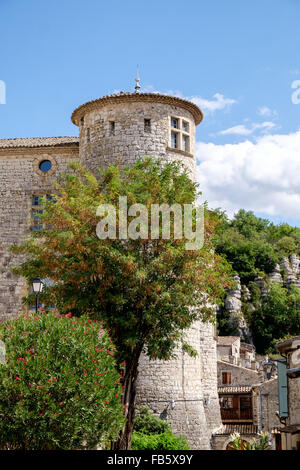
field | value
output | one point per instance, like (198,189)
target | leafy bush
(152,433)
(163,441)
(58,387)
(146,423)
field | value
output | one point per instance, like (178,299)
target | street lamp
(37,287)
(268,368)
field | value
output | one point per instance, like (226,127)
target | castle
(120,127)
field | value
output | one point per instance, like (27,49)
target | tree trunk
(129,395)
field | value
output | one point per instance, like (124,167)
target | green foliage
(227,325)
(189,349)
(261,443)
(164,441)
(143,290)
(278,316)
(146,423)
(152,433)
(59,387)
(254,245)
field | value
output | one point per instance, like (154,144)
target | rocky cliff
(286,273)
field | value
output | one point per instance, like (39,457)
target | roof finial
(137,79)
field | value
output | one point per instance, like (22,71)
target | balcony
(235,415)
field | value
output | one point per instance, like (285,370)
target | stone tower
(127,126)
(115,129)
(122,128)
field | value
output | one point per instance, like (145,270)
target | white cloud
(217,103)
(241,129)
(265,111)
(263,176)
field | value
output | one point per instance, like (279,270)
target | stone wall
(266,394)
(20,179)
(208,353)
(239,375)
(188,382)
(130,140)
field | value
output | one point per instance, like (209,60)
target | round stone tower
(119,129)
(127,126)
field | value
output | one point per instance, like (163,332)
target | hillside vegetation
(254,246)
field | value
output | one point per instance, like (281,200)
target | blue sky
(236,59)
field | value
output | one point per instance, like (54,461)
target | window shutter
(282,390)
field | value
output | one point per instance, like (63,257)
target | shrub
(163,441)
(152,433)
(146,423)
(58,387)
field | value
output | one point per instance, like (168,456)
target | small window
(36,200)
(88,135)
(180,138)
(174,140)
(185,126)
(82,121)
(111,127)
(185,143)
(174,123)
(147,125)
(36,225)
(226,378)
(45,166)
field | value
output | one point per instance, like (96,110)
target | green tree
(59,388)
(278,315)
(244,243)
(145,292)
(254,245)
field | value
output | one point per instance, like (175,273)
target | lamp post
(37,287)
(269,367)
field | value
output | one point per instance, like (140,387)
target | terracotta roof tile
(245,429)
(237,389)
(38,142)
(227,340)
(124,97)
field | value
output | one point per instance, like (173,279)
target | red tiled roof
(245,429)
(227,340)
(38,142)
(237,389)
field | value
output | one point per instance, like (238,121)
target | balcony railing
(231,415)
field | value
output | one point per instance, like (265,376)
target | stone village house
(289,392)
(248,395)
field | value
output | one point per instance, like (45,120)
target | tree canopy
(145,291)
(254,245)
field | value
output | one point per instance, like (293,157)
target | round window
(45,166)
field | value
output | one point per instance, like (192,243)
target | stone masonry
(117,129)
